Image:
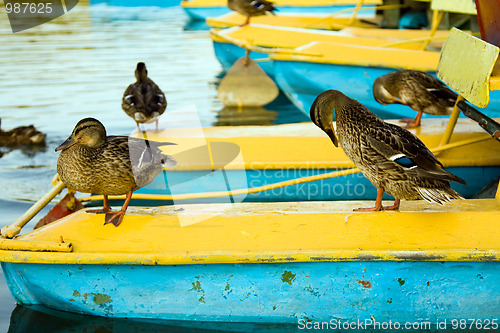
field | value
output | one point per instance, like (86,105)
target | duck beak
(66,144)
(331,133)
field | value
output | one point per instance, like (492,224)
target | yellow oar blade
(246,84)
(466,65)
(455,6)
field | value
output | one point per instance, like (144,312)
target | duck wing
(139,151)
(401,155)
(154,98)
(425,83)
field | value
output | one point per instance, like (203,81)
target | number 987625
(28,8)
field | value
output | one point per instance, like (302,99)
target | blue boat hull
(201,13)
(299,293)
(350,187)
(302,82)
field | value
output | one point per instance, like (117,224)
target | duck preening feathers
(143,100)
(419,90)
(392,158)
(92,162)
(251,8)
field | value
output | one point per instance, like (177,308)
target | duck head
(322,112)
(88,132)
(141,73)
(380,92)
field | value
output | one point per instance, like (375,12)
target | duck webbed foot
(114,218)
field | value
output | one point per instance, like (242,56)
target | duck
(143,100)
(21,136)
(251,8)
(92,162)
(419,90)
(392,158)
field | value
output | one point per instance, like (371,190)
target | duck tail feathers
(168,161)
(438,195)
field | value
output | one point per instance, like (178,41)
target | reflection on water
(23,319)
(234,116)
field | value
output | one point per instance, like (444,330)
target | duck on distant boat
(92,162)
(250,8)
(419,90)
(143,100)
(23,135)
(392,158)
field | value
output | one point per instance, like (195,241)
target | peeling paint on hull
(277,292)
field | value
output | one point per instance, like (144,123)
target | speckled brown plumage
(251,8)
(392,158)
(92,162)
(143,100)
(419,90)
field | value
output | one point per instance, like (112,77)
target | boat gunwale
(241,257)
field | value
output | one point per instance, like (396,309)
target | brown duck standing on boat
(393,159)
(92,162)
(251,8)
(143,100)
(419,90)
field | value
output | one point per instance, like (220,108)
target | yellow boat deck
(271,232)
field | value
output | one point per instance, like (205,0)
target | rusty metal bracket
(488,124)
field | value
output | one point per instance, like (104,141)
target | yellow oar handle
(12,230)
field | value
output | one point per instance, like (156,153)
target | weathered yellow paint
(278,3)
(495,81)
(466,65)
(276,38)
(455,6)
(276,232)
(305,146)
(21,245)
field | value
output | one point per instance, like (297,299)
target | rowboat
(232,43)
(201,9)
(286,263)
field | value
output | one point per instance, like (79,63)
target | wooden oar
(12,230)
